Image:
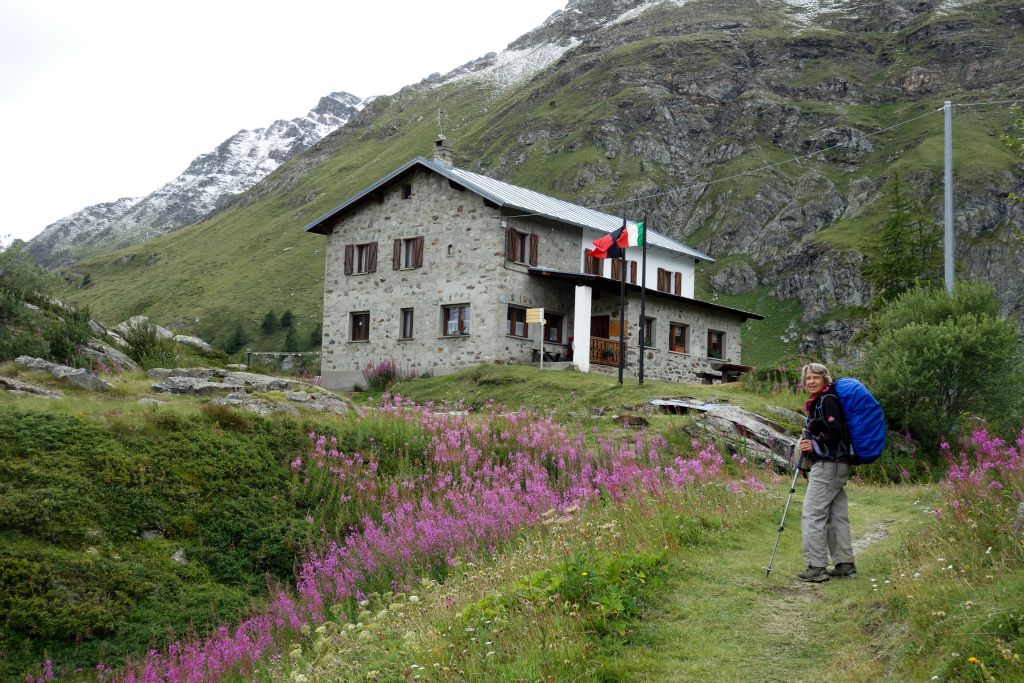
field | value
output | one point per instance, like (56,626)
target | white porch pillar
(581,328)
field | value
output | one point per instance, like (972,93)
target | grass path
(721,619)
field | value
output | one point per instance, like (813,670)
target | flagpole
(643,300)
(622,311)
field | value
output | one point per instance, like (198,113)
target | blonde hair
(816,369)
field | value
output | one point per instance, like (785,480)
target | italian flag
(632,236)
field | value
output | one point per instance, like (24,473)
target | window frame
(672,326)
(650,330)
(549,327)
(462,317)
(402,323)
(721,343)
(511,320)
(353,326)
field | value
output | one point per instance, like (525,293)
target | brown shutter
(371,257)
(511,240)
(616,269)
(417,253)
(632,272)
(534,248)
(396,255)
(662,280)
(349,256)
(679,284)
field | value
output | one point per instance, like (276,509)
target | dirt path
(723,620)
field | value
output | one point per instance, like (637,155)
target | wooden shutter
(371,257)
(396,256)
(662,280)
(534,248)
(616,269)
(349,257)
(679,284)
(511,244)
(632,272)
(417,252)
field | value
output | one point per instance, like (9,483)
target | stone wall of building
(464,262)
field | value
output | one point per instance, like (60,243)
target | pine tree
(907,253)
(316,337)
(269,324)
(290,341)
(238,339)
(287,318)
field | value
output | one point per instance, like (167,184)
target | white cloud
(112,98)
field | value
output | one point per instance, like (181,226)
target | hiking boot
(813,575)
(843,570)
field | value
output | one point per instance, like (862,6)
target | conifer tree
(287,318)
(238,339)
(907,252)
(269,324)
(290,341)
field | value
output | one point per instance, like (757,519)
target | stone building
(435,267)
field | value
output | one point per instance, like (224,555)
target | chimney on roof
(443,151)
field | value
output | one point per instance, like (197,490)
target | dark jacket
(826,427)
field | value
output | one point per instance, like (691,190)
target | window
(406,191)
(553,329)
(407,329)
(648,332)
(521,247)
(616,269)
(632,272)
(359,325)
(679,284)
(677,337)
(664,280)
(360,258)
(592,265)
(515,322)
(455,320)
(407,253)
(716,344)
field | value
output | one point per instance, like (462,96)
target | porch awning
(609,285)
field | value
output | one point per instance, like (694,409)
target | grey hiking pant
(825,521)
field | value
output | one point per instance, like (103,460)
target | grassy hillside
(636,110)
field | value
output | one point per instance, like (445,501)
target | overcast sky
(105,99)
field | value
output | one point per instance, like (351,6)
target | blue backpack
(864,418)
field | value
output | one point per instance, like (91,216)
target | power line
(979,104)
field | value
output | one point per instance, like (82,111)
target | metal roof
(508,196)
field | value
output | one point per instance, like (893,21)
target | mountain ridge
(683,100)
(203,188)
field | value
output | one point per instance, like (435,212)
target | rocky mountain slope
(209,182)
(763,132)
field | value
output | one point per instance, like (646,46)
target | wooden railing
(604,351)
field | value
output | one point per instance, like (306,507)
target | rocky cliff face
(208,184)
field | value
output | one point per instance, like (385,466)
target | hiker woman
(825,522)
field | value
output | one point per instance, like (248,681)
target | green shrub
(148,349)
(933,359)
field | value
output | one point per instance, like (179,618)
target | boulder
(194,342)
(749,434)
(259,406)
(26,389)
(73,376)
(110,356)
(196,386)
(137,321)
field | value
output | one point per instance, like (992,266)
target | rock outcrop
(83,379)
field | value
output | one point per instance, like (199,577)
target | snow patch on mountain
(205,186)
(640,9)
(512,66)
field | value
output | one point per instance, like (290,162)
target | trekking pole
(785,510)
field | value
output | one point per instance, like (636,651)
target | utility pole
(950,273)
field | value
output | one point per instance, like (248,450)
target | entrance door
(599,326)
